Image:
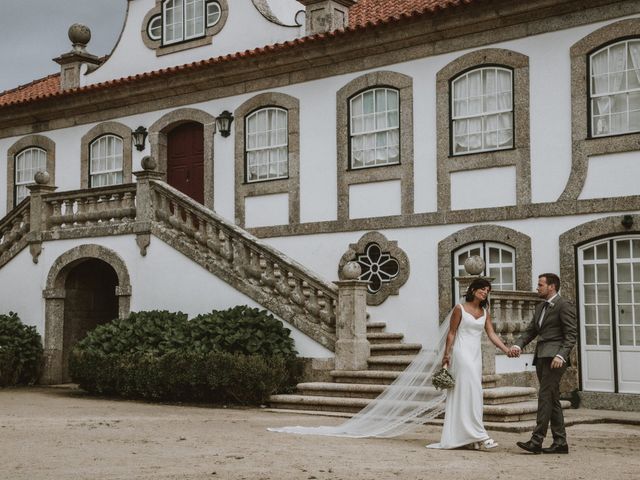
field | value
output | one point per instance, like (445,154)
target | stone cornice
(308,59)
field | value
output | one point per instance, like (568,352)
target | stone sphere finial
(148,163)
(351,271)
(80,35)
(42,177)
(474,265)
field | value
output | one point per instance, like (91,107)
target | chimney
(72,61)
(326,15)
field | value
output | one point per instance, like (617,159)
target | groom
(554,323)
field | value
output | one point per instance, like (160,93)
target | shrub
(217,377)
(153,332)
(241,330)
(240,355)
(20,352)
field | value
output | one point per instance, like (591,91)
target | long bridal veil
(402,406)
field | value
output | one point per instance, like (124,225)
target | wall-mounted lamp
(627,221)
(139,137)
(223,122)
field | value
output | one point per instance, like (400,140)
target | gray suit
(556,336)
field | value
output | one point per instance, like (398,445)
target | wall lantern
(223,122)
(139,137)
(627,221)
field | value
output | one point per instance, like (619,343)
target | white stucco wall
(162,280)
(375,200)
(266,210)
(490,187)
(245,29)
(613,175)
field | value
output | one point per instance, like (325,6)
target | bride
(411,399)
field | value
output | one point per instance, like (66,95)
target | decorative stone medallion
(384,265)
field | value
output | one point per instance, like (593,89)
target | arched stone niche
(55,293)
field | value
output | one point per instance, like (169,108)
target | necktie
(542,313)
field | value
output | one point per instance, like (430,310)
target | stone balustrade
(85,208)
(511,312)
(13,231)
(278,282)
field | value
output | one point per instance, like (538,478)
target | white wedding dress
(463,408)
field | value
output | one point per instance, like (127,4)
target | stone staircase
(350,391)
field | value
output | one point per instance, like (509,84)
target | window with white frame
(267,144)
(106,161)
(28,162)
(500,264)
(482,110)
(184,20)
(615,89)
(374,126)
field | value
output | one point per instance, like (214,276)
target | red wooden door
(185,159)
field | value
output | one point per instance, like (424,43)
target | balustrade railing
(511,312)
(288,287)
(13,228)
(84,208)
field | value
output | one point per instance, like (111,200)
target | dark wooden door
(185,159)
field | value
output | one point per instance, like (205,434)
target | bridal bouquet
(442,379)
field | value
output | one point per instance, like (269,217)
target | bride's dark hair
(477,284)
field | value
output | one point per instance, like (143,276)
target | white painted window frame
(20,191)
(182,7)
(115,156)
(255,151)
(484,115)
(353,117)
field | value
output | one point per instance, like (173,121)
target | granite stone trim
(114,128)
(518,156)
(379,47)
(39,141)
(289,185)
(494,233)
(187,44)
(158,142)
(403,171)
(386,246)
(497,214)
(54,294)
(584,146)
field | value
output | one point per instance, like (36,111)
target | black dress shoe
(530,447)
(554,448)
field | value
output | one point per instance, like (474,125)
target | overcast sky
(35,31)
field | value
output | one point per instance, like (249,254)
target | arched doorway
(86,287)
(185,159)
(90,300)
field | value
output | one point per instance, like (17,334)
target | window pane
(266,144)
(626,335)
(591,335)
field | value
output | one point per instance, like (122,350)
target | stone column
(145,205)
(37,212)
(326,15)
(352,346)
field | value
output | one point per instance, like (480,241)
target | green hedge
(20,352)
(240,355)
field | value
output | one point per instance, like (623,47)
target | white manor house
(232,152)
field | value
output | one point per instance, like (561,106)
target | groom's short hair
(552,279)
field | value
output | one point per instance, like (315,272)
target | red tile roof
(37,88)
(362,16)
(375,10)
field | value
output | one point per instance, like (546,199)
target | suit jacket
(558,332)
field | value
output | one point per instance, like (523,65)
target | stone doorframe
(54,295)
(158,141)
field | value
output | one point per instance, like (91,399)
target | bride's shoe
(488,444)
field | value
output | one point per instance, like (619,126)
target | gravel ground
(52,433)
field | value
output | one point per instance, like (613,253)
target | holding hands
(514,352)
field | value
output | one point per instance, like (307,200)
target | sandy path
(57,434)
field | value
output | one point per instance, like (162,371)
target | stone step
(394,363)
(392,349)
(380,377)
(515,412)
(492,396)
(373,327)
(490,381)
(505,395)
(384,337)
